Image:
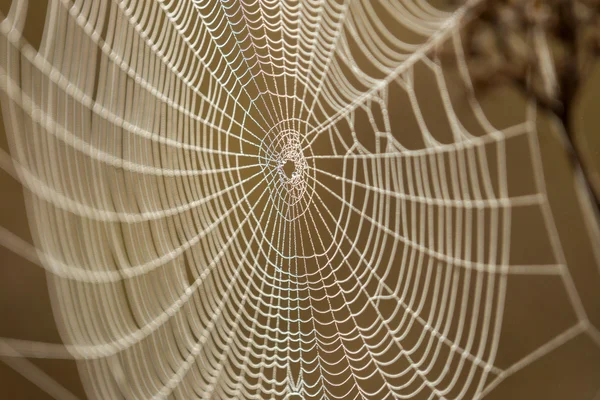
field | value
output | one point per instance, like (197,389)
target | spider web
(253,200)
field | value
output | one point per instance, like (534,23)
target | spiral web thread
(225,206)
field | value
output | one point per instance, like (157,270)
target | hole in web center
(289,168)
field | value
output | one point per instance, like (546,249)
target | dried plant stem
(547,50)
